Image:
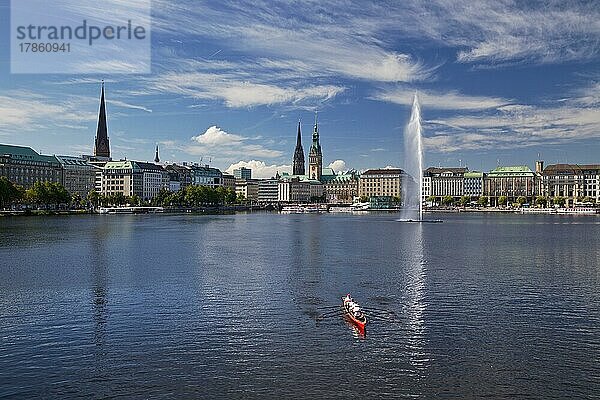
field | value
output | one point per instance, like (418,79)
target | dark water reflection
(224,307)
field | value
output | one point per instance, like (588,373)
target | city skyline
(500,92)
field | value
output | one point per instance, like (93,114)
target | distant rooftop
(383,171)
(24,153)
(517,170)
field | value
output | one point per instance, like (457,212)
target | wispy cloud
(234,91)
(515,125)
(21,110)
(451,100)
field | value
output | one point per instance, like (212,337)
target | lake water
(165,306)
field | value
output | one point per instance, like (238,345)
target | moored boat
(353,312)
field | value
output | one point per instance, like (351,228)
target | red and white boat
(353,312)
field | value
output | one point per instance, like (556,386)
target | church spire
(156,158)
(298,160)
(315,157)
(101,145)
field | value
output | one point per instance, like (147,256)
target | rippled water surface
(223,306)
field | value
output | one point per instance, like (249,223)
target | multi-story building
(512,182)
(79,176)
(574,182)
(24,166)
(473,184)
(131,178)
(247,188)
(242,173)
(381,182)
(444,181)
(118,177)
(206,176)
(229,181)
(342,188)
(268,190)
(180,176)
(294,190)
(153,178)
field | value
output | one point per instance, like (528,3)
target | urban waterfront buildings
(341,188)
(443,182)
(229,181)
(268,190)
(242,173)
(24,166)
(510,182)
(78,174)
(381,182)
(574,182)
(247,189)
(473,184)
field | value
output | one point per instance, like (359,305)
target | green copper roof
(473,174)
(519,170)
(25,154)
(118,165)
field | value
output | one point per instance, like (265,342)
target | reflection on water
(415,306)
(225,307)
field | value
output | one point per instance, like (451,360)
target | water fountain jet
(413,168)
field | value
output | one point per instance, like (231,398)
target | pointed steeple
(298,160)
(315,157)
(102,145)
(156,158)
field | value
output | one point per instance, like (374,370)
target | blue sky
(499,81)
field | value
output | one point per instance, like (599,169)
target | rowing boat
(353,312)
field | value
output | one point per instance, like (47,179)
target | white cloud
(260,170)
(225,147)
(215,136)
(338,166)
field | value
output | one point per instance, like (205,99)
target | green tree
(230,196)
(541,201)
(432,200)
(9,192)
(161,198)
(482,201)
(559,201)
(521,200)
(447,200)
(464,200)
(364,199)
(502,200)
(93,198)
(588,199)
